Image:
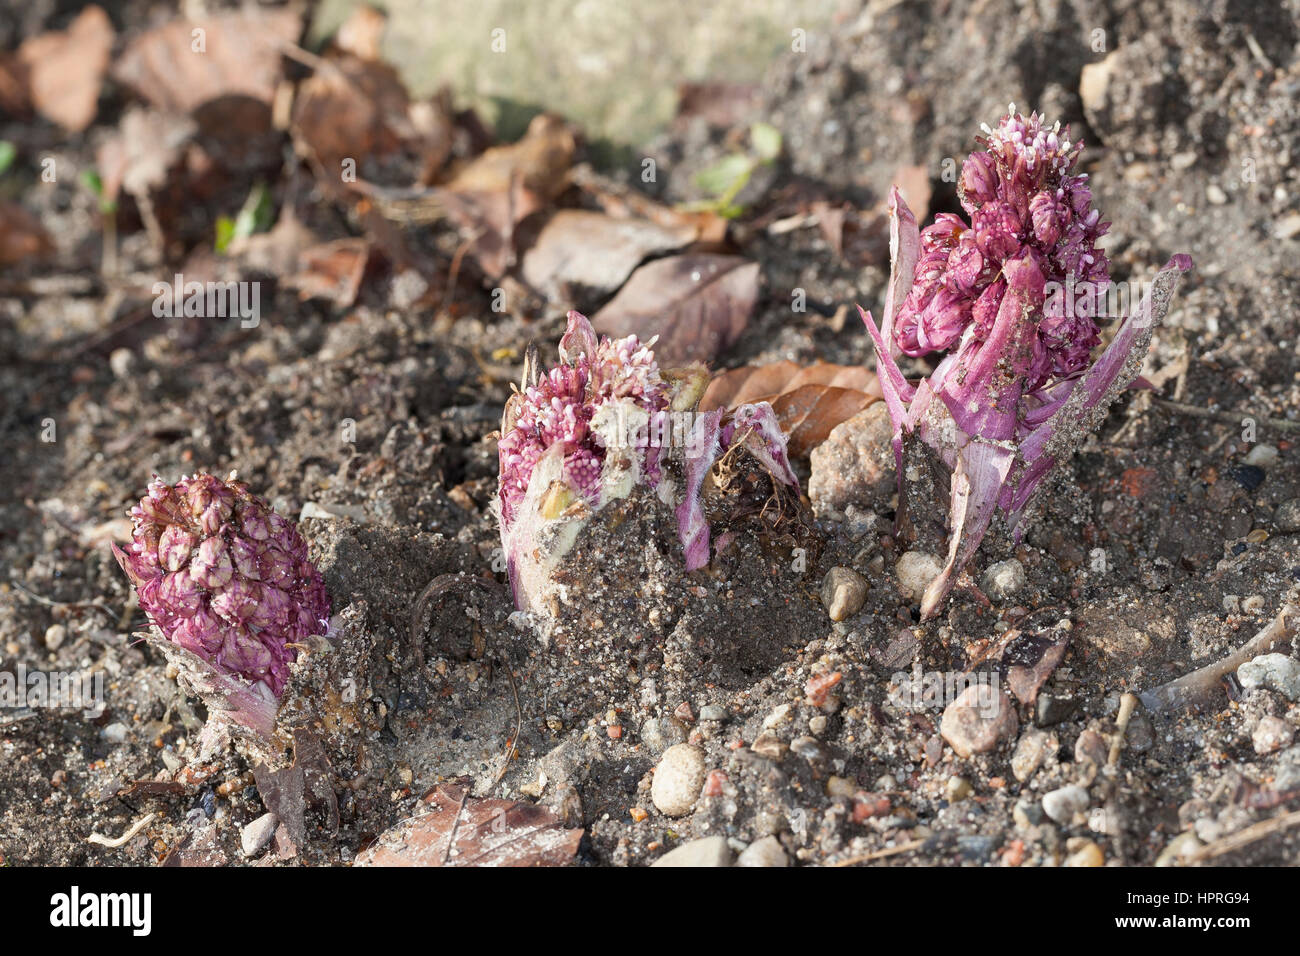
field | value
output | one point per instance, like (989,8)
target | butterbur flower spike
(1011,300)
(225,578)
(594,428)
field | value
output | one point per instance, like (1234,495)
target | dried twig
(1227,417)
(1199,685)
(1245,837)
(881,854)
(125,838)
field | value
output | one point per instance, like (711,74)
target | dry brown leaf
(578,249)
(539,161)
(461,830)
(808,414)
(698,304)
(751,383)
(332,270)
(351,109)
(240,55)
(21,235)
(1030,660)
(62,71)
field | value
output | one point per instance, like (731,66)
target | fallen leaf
(21,235)
(182,64)
(1030,660)
(751,383)
(62,71)
(539,161)
(285,792)
(809,413)
(350,109)
(332,270)
(579,249)
(698,304)
(461,830)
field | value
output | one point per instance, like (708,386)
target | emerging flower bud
(1012,301)
(224,577)
(597,426)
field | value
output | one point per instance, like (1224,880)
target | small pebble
(55,634)
(1271,733)
(817,725)
(915,570)
(1004,580)
(840,787)
(114,733)
(658,734)
(1262,455)
(1178,849)
(1061,805)
(974,725)
(770,746)
(678,779)
(1091,747)
(709,851)
(843,593)
(713,712)
(1034,746)
(1273,671)
(1286,519)
(765,852)
(254,837)
(959,789)
(1089,854)
(1215,195)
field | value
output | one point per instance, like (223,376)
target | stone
(713,712)
(1004,580)
(958,789)
(855,464)
(843,593)
(914,571)
(765,852)
(1032,749)
(254,837)
(1271,733)
(972,724)
(55,635)
(1286,519)
(1052,710)
(1091,747)
(1062,804)
(1178,849)
(769,745)
(660,733)
(1262,455)
(1215,195)
(1088,854)
(1273,671)
(709,851)
(114,733)
(678,779)
(1288,227)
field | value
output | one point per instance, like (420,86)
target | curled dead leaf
(698,304)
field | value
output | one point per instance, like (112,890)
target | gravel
(678,779)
